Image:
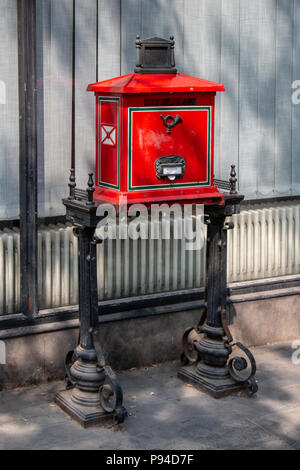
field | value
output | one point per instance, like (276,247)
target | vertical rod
(73,94)
(28,154)
(97,39)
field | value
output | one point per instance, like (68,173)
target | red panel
(190,139)
(108,142)
(200,194)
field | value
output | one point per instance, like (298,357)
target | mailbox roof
(154,83)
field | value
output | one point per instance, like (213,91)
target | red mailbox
(155,132)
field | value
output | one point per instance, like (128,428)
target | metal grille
(57,266)
(133,267)
(9,271)
(264,243)
(222,184)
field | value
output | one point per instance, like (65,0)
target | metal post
(207,347)
(93,392)
(28,154)
(85,373)
(73,91)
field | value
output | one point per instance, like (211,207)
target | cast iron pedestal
(93,392)
(207,348)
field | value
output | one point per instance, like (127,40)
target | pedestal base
(217,388)
(86,416)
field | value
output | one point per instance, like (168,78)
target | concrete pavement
(165,413)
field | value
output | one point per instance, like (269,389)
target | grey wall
(9,166)
(54,38)
(252,47)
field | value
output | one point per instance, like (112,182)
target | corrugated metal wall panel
(134,267)
(264,243)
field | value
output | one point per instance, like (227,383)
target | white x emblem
(108,135)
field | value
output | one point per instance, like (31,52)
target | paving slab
(165,413)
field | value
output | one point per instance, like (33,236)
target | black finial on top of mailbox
(155,55)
